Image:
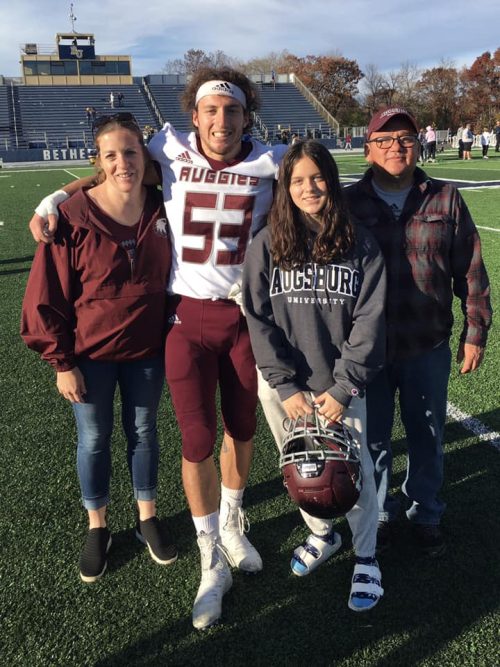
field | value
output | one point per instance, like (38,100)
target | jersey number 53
(239,207)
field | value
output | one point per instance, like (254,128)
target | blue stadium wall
(45,155)
(76,154)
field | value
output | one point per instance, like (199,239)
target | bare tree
(194,59)
(405,84)
(175,66)
(374,89)
(266,64)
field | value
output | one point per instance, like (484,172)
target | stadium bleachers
(168,101)
(284,107)
(54,116)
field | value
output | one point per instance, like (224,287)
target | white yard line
(480,187)
(24,171)
(489,229)
(462,180)
(473,425)
(71,173)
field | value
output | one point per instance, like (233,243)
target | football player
(218,189)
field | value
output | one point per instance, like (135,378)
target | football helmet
(320,465)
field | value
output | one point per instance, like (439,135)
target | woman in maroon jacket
(95,309)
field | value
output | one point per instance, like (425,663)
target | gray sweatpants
(363,517)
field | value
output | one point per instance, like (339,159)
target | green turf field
(433,613)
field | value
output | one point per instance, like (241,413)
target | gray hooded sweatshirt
(317,327)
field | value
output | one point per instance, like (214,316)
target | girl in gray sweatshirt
(313,291)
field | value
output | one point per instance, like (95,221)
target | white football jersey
(213,214)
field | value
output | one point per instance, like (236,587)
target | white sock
(234,497)
(207,524)
(230,499)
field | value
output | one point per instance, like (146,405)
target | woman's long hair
(292,242)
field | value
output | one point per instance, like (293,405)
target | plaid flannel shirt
(431,252)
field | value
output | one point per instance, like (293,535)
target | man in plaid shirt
(432,251)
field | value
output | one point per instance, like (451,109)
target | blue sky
(386,33)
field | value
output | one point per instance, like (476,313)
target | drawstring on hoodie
(131,258)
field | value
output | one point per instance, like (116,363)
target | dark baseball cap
(383,116)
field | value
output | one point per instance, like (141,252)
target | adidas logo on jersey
(184,157)
(174,319)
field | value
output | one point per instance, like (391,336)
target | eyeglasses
(124,117)
(407,141)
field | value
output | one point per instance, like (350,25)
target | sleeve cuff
(340,395)
(286,390)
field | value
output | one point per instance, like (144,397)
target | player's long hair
(292,242)
(239,79)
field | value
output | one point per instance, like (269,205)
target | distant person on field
(496,131)
(421,141)
(460,143)
(95,308)
(348,143)
(485,142)
(432,252)
(112,100)
(430,142)
(467,139)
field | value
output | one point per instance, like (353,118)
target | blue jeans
(141,384)
(423,388)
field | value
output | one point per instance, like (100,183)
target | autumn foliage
(443,95)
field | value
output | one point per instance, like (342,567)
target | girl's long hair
(292,242)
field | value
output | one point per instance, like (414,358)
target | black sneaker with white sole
(157,538)
(429,539)
(93,561)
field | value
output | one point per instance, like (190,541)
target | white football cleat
(216,580)
(236,546)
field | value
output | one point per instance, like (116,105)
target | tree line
(445,95)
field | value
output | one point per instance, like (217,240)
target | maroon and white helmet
(320,466)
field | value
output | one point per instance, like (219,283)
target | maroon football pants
(209,345)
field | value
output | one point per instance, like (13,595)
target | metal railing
(14,115)
(309,130)
(152,101)
(323,111)
(263,129)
